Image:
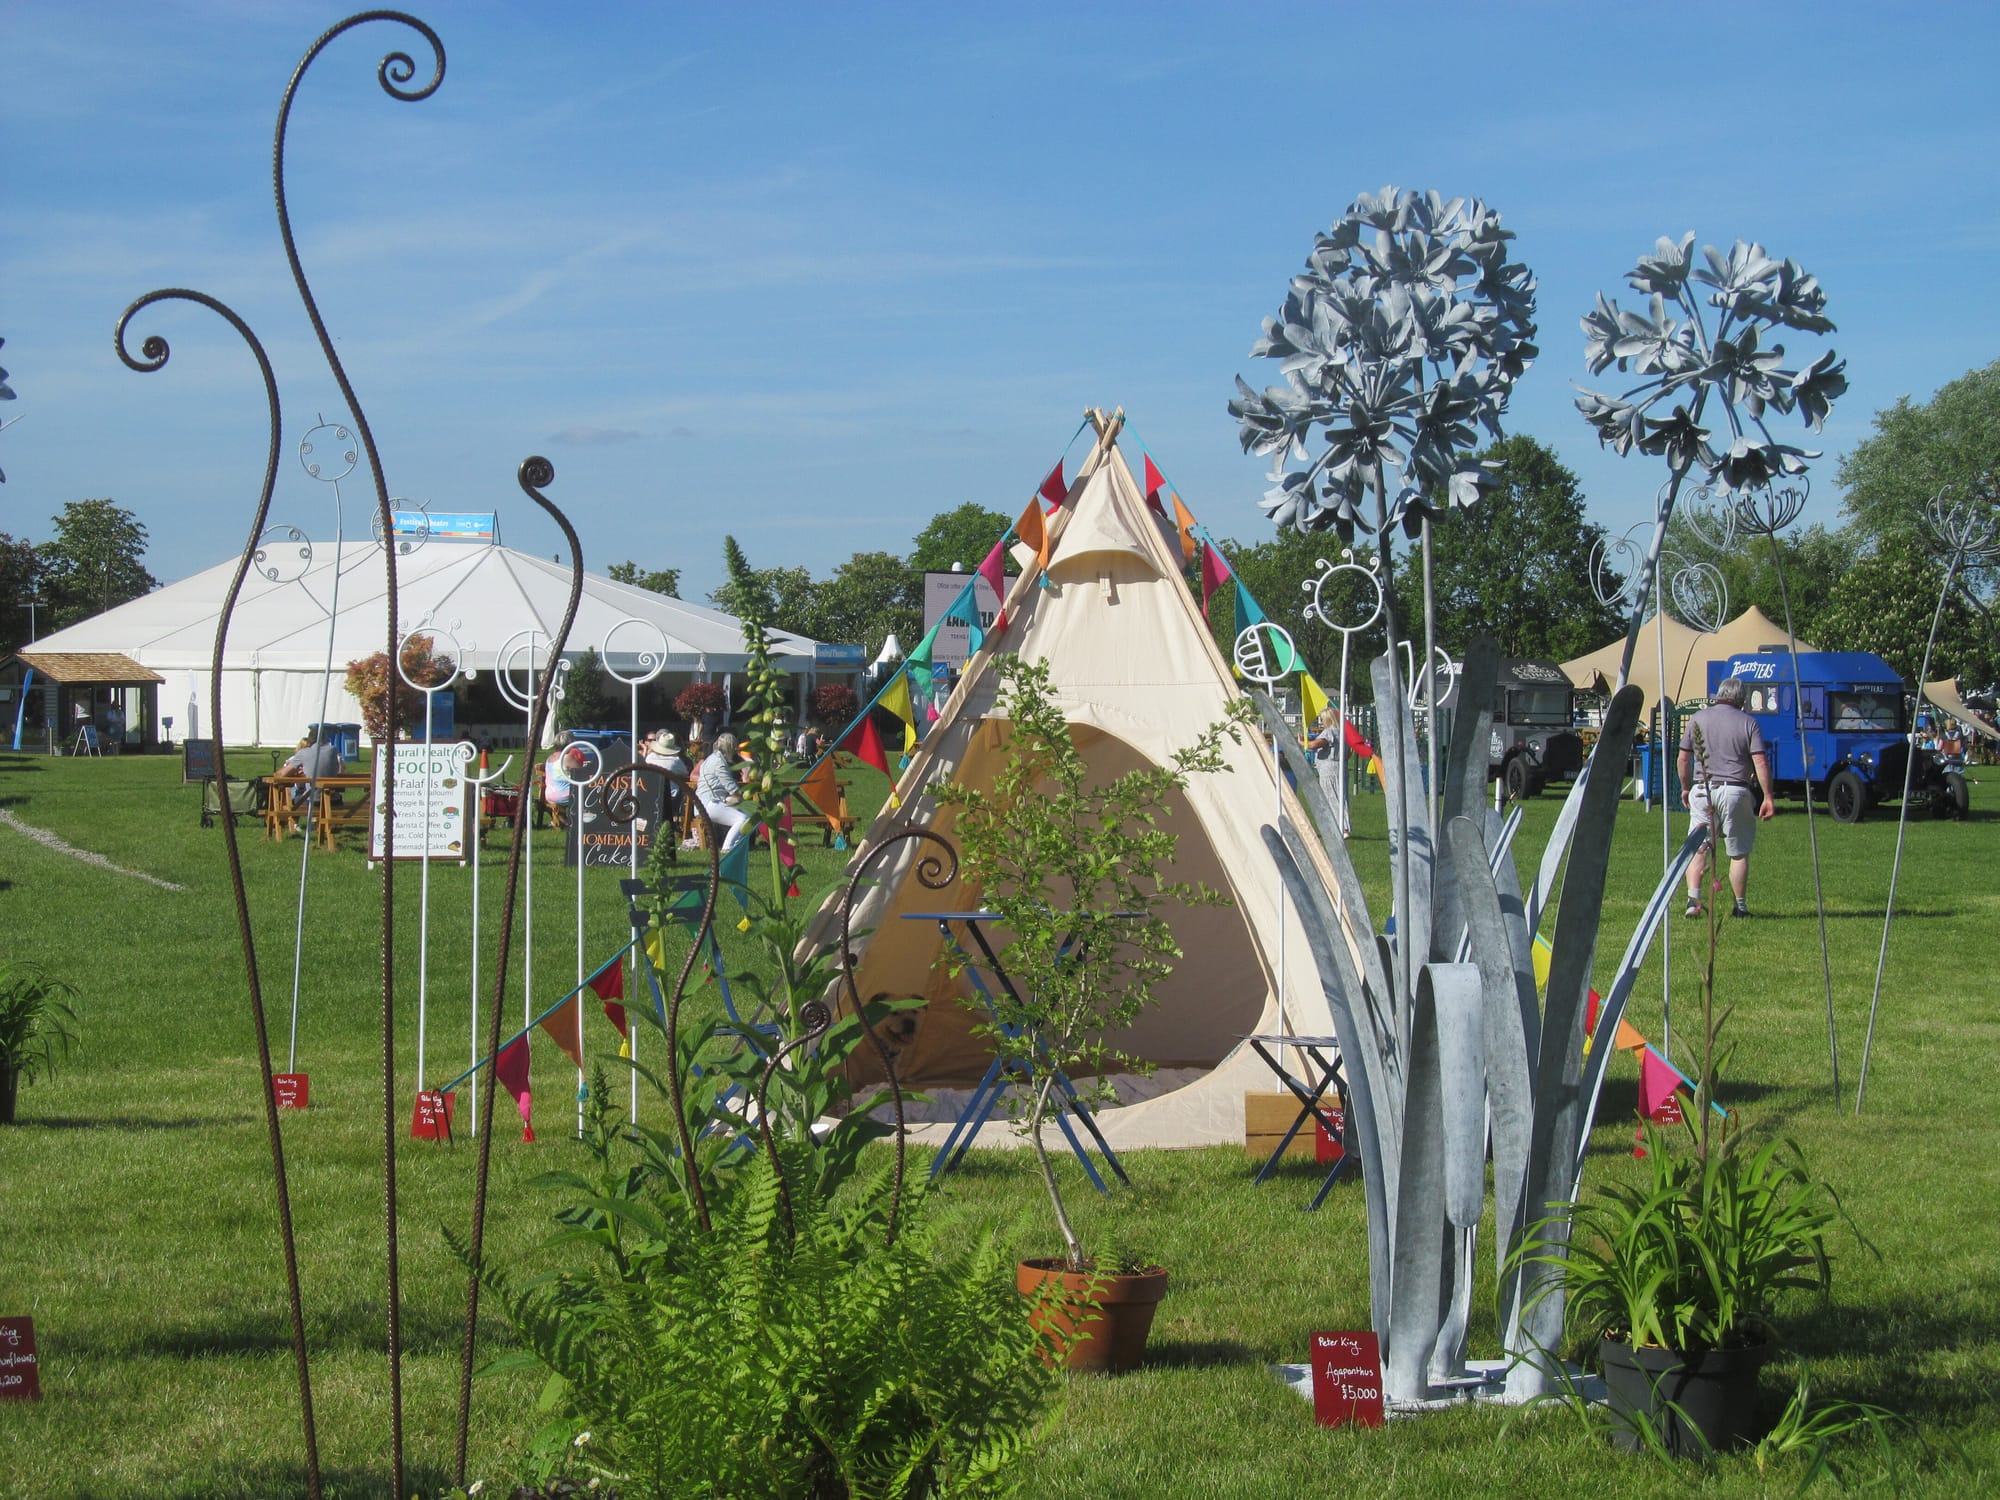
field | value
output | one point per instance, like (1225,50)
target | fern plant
(750,1360)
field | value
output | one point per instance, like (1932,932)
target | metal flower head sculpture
(1407,329)
(1694,347)
(1403,336)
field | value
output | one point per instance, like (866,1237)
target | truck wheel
(1847,797)
(1958,796)
(1519,783)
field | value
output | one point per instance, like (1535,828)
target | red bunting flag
(865,745)
(610,987)
(1155,482)
(1660,1084)
(1214,572)
(1055,489)
(511,1068)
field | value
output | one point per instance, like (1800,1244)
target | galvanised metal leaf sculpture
(1403,335)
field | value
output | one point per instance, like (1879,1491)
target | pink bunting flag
(511,1068)
(1214,572)
(1660,1084)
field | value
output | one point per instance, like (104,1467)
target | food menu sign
(433,801)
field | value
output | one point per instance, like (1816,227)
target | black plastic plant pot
(1701,1403)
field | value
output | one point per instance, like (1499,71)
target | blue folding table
(1324,1054)
(986,1097)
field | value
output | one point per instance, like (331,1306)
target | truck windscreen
(1849,709)
(1548,705)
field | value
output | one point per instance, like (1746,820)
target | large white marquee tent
(332,604)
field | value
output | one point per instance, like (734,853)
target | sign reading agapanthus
(1347,1379)
(431,801)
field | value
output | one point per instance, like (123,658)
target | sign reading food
(433,801)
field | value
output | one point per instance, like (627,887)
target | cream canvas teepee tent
(1138,675)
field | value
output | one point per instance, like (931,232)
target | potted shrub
(35,1022)
(1680,1275)
(701,703)
(1073,870)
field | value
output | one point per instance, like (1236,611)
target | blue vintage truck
(1856,731)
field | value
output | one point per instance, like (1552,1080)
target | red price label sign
(1347,1379)
(291,1090)
(431,1118)
(20,1375)
(1327,1148)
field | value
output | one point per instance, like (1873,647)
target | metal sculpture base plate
(1487,1385)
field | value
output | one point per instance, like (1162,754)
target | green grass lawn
(140,1230)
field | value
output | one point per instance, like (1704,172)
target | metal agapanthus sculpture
(1963,530)
(1703,351)
(1402,337)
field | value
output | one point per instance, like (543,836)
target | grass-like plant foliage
(35,1027)
(1074,868)
(753,1361)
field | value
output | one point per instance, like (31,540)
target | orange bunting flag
(1186,524)
(511,1068)
(865,745)
(1055,489)
(1155,482)
(564,1025)
(1034,532)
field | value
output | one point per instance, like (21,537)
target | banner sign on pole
(839,657)
(441,768)
(457,525)
(1347,1379)
(941,591)
(606,842)
(20,1375)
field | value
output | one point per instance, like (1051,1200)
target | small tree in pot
(1074,870)
(35,1022)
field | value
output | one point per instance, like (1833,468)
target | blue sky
(812,273)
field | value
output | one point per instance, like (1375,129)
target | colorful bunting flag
(1312,698)
(610,987)
(1055,489)
(1155,482)
(1034,532)
(1660,1084)
(994,571)
(896,698)
(1185,522)
(1213,571)
(511,1068)
(564,1026)
(865,745)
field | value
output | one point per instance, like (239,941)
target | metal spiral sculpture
(1965,531)
(153,357)
(535,474)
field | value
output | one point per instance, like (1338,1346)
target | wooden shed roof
(78,668)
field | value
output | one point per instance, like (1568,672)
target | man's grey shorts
(1736,810)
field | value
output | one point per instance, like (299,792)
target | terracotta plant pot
(1713,1394)
(1105,1318)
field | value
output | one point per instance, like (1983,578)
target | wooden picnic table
(334,813)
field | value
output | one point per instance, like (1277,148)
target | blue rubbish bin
(346,738)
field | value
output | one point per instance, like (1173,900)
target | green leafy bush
(35,1027)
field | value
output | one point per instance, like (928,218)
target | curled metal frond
(1618,568)
(328,452)
(1963,527)
(814,1018)
(155,355)
(1370,574)
(1700,594)
(1768,509)
(935,871)
(1711,517)
(282,554)
(622,785)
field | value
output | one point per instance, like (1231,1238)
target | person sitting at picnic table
(721,790)
(663,750)
(315,759)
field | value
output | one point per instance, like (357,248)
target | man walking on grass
(1735,771)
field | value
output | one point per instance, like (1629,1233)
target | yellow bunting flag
(1312,698)
(896,698)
